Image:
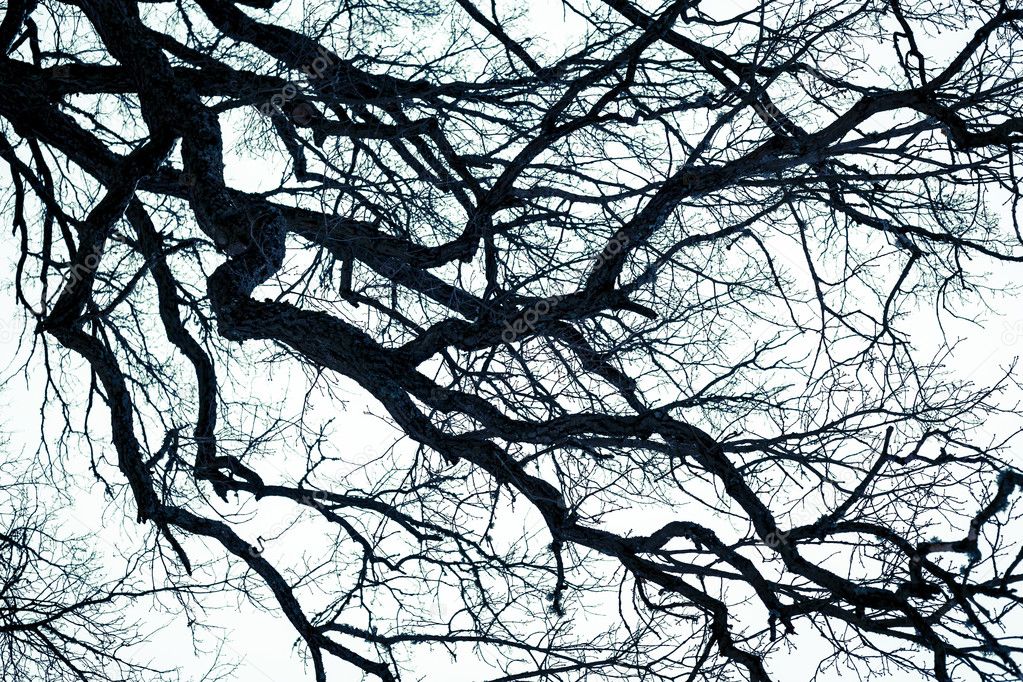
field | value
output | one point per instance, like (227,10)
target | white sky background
(263,645)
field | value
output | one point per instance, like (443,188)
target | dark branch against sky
(655,305)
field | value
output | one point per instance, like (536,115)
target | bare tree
(655,310)
(62,615)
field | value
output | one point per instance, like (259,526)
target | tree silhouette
(62,612)
(653,309)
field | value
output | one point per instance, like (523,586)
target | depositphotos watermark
(796,519)
(1012,332)
(77,272)
(528,320)
(313,499)
(612,249)
(8,331)
(290,91)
